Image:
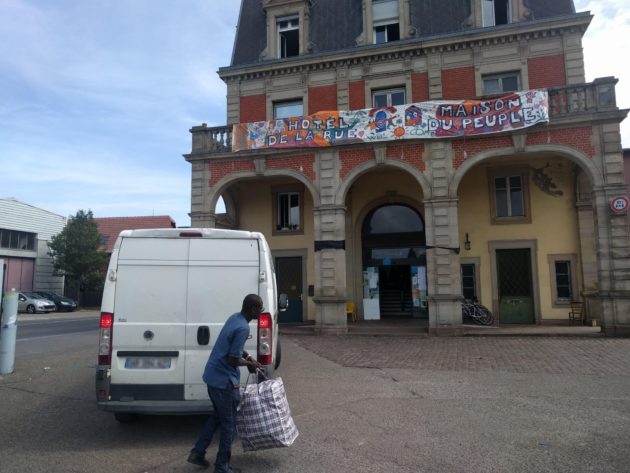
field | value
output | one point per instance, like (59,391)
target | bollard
(8,334)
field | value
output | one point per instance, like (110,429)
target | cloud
(605,48)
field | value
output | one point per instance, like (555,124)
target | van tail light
(105,339)
(265,339)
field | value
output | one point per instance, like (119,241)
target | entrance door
(516,298)
(289,278)
(395,291)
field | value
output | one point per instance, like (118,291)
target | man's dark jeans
(225,401)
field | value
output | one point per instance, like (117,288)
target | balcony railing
(569,101)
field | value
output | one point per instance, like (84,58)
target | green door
(289,278)
(516,298)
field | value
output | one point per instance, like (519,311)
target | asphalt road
(359,408)
(41,334)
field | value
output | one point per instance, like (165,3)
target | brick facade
(253,108)
(303,163)
(357,94)
(322,98)
(546,71)
(411,153)
(352,158)
(419,87)
(458,83)
(220,169)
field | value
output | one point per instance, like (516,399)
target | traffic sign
(619,204)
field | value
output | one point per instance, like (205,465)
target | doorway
(394,263)
(515,285)
(289,279)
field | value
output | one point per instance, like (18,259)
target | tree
(74,252)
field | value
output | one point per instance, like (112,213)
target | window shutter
(385,10)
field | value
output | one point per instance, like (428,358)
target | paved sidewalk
(551,355)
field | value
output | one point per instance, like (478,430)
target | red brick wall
(300,163)
(580,138)
(350,159)
(547,71)
(467,148)
(419,87)
(322,98)
(357,94)
(220,169)
(411,153)
(253,108)
(458,83)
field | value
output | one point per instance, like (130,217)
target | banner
(435,119)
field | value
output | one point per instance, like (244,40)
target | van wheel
(125,417)
(278,355)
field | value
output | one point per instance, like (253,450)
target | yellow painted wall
(255,204)
(553,226)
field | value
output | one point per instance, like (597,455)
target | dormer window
(288,36)
(386,18)
(495,12)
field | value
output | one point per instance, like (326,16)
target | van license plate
(147,363)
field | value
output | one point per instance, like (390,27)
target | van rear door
(221,273)
(149,319)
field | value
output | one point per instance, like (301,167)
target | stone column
(203,219)
(330,270)
(611,303)
(443,271)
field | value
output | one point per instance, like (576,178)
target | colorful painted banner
(435,119)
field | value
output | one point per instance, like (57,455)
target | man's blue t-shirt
(230,342)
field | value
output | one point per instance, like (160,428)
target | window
(497,83)
(386,21)
(563,280)
(288,36)
(288,209)
(495,12)
(15,240)
(510,195)
(469,284)
(293,108)
(383,98)
(564,288)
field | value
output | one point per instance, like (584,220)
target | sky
(97,96)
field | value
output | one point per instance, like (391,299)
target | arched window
(393,232)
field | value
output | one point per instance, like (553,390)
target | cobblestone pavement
(551,355)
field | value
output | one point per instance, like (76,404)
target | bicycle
(476,312)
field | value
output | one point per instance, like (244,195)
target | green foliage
(74,251)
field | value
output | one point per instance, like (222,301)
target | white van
(167,295)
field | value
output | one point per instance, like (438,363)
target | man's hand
(252,365)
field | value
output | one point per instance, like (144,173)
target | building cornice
(479,37)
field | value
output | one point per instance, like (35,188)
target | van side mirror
(283,302)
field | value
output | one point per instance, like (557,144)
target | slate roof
(110,227)
(336,24)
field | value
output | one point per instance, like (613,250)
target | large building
(374,181)
(25,231)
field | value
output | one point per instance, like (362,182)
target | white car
(32,302)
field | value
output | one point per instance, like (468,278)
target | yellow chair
(351,311)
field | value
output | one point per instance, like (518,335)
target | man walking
(223,377)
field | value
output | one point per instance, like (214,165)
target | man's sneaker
(198,459)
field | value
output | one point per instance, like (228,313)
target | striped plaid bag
(264,418)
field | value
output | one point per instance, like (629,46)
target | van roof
(189,233)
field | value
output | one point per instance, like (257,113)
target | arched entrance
(394,263)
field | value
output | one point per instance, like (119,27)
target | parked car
(32,302)
(61,302)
